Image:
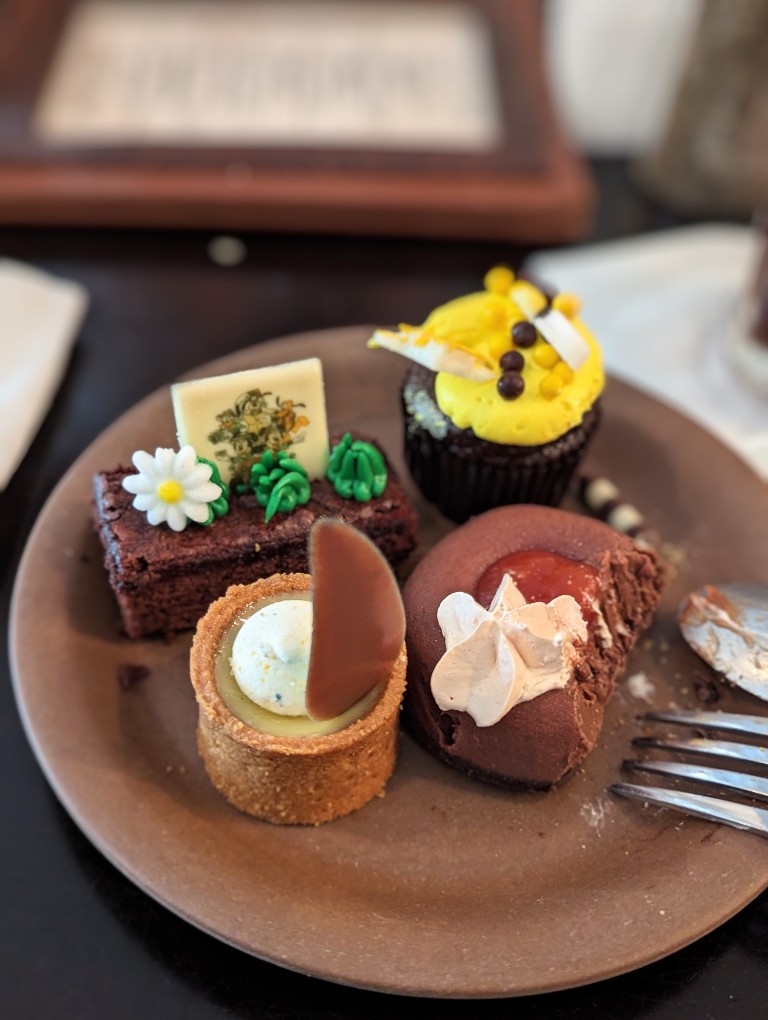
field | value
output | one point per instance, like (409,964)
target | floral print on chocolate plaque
(257,422)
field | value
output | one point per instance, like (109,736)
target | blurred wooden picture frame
(410,117)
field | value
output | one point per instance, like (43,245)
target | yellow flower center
(170,491)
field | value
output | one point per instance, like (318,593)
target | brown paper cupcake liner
(464,475)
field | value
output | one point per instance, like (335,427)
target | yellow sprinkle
(568,305)
(545,356)
(499,279)
(170,491)
(528,298)
(564,372)
(497,346)
(550,386)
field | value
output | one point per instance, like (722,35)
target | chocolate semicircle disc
(359,621)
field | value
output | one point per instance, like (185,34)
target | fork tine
(723,779)
(748,725)
(709,748)
(740,816)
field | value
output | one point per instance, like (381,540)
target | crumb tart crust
(282,779)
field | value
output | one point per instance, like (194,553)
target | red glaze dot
(542,576)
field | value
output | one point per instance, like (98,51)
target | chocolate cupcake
(503,399)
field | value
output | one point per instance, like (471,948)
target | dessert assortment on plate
(518,622)
(502,398)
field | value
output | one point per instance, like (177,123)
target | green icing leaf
(337,457)
(217,507)
(357,470)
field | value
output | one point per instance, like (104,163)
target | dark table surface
(78,939)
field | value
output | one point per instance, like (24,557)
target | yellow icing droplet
(568,305)
(170,491)
(550,386)
(495,314)
(564,372)
(545,356)
(499,279)
(496,347)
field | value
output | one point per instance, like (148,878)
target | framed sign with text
(412,117)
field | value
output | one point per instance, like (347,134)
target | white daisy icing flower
(172,487)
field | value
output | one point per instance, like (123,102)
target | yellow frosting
(555,398)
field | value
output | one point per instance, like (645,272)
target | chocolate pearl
(524,334)
(512,361)
(510,385)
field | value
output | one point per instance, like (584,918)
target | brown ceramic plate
(443,887)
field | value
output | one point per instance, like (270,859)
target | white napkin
(39,319)
(665,307)
(588,43)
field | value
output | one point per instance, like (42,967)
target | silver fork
(715,809)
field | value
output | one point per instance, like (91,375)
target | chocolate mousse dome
(540,740)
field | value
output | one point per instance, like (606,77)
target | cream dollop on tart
(270,656)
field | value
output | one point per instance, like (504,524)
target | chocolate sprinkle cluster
(511,383)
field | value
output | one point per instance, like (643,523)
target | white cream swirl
(512,652)
(270,656)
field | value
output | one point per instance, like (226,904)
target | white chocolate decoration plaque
(234,419)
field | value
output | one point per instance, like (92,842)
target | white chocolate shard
(233,419)
(563,336)
(439,357)
(556,329)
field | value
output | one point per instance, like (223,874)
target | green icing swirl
(279,483)
(357,469)
(217,507)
